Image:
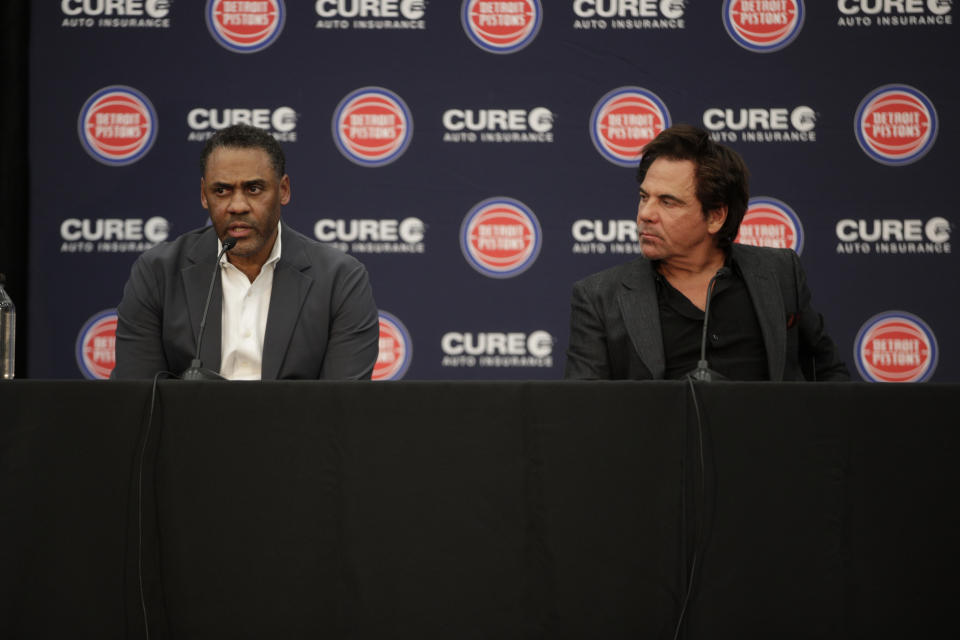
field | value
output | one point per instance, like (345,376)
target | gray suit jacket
(322,322)
(615,321)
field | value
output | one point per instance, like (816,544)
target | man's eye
(255,189)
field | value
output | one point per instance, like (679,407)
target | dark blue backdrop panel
(876,234)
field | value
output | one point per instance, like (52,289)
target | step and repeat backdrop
(478,157)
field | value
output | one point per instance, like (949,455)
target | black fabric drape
(15,19)
(477,510)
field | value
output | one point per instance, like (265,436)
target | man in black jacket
(643,320)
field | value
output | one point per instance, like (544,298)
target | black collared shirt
(734,339)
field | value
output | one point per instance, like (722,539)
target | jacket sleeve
(587,357)
(354,335)
(819,358)
(139,345)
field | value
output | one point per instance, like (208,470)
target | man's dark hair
(721,175)
(243,136)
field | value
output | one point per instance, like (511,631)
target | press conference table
(477,509)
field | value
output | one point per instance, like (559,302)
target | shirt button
(246,333)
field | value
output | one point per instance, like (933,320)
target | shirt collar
(730,262)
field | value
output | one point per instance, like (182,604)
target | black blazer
(322,322)
(615,321)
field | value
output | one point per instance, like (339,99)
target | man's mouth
(239,231)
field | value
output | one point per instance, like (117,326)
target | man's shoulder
(173,249)
(767,257)
(300,248)
(613,276)
(172,252)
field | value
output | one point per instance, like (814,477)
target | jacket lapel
(290,286)
(768,303)
(201,258)
(641,315)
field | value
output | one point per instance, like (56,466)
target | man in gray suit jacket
(283,306)
(643,320)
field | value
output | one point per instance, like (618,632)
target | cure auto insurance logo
(624,121)
(501,27)
(896,124)
(245,26)
(117,125)
(372,126)
(763,26)
(895,346)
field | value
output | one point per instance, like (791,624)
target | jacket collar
(291,284)
(767,303)
(197,274)
(641,315)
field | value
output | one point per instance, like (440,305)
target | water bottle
(8,332)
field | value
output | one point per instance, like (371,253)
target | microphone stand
(697,475)
(703,372)
(196,370)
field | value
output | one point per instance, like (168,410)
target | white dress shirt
(244,318)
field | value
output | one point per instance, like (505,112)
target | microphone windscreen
(229,243)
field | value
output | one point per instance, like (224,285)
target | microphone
(703,372)
(196,370)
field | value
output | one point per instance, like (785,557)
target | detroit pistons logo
(500,237)
(771,223)
(501,26)
(763,26)
(372,126)
(247,26)
(117,125)
(96,345)
(896,124)
(396,349)
(895,346)
(624,121)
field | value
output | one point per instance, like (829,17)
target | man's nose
(646,212)
(238,203)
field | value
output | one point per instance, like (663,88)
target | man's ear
(203,195)
(716,218)
(285,189)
